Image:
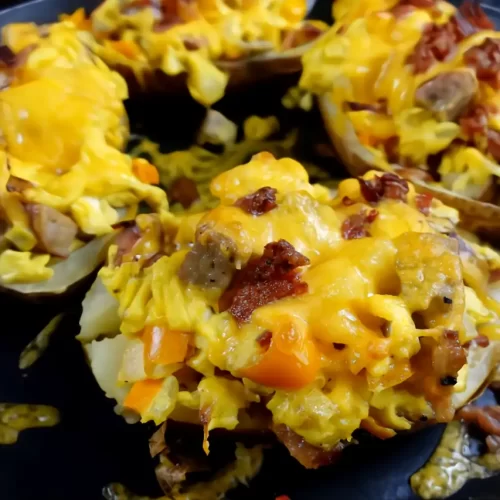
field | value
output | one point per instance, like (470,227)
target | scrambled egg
(62,127)
(343,354)
(365,59)
(200,165)
(192,38)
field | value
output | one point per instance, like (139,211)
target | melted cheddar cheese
(63,126)
(343,353)
(177,37)
(365,58)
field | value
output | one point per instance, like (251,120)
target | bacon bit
(17,185)
(192,43)
(258,203)
(480,340)
(422,4)
(347,201)
(475,122)
(184,191)
(7,56)
(448,357)
(423,202)
(494,276)
(391,146)
(474,13)
(282,497)
(305,34)
(401,10)
(379,107)
(487,418)
(494,144)
(126,241)
(264,339)
(485,60)
(354,226)
(436,44)
(263,280)
(311,457)
(387,186)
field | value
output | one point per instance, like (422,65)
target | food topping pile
(207,39)
(418,82)
(315,315)
(64,180)
(256,300)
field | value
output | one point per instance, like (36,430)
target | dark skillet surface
(92,447)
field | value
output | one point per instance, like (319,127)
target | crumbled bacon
(125,241)
(475,125)
(184,191)
(487,418)
(263,280)
(485,60)
(480,340)
(305,34)
(423,202)
(494,144)
(402,10)
(7,56)
(311,457)
(192,43)
(475,122)
(260,202)
(494,276)
(355,226)
(448,357)
(436,44)
(264,339)
(474,13)
(17,185)
(391,146)
(386,186)
(379,107)
(422,4)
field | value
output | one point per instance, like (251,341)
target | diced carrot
(79,19)
(163,346)
(142,394)
(145,171)
(286,365)
(126,47)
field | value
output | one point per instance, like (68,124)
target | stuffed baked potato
(287,310)
(413,87)
(64,180)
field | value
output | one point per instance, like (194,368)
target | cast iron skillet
(92,447)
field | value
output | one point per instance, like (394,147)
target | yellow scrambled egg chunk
(376,306)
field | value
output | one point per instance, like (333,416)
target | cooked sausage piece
(447,95)
(55,231)
(210,263)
